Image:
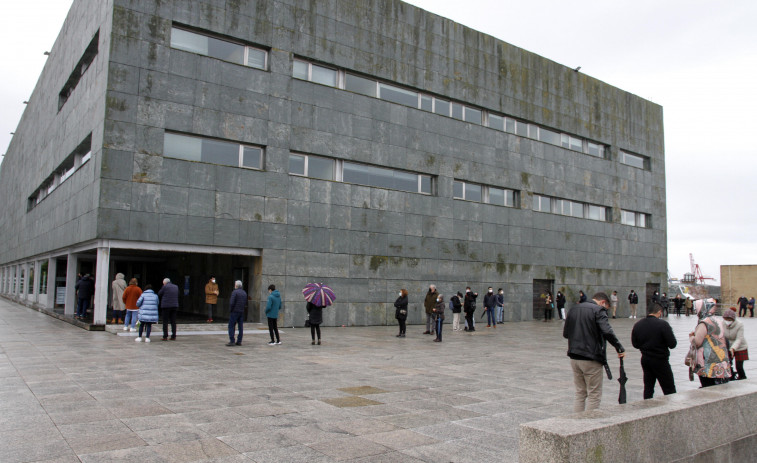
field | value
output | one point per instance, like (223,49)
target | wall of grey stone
(369,242)
(45,137)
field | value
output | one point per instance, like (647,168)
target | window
(398,95)
(81,67)
(427,103)
(441,107)
(193,148)
(314,73)
(542,203)
(222,49)
(77,158)
(473,115)
(635,219)
(549,136)
(634,160)
(457,111)
(483,194)
(360,85)
(497,122)
(361,174)
(570,208)
(572,143)
(595,149)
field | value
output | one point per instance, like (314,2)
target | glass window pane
(252,157)
(497,122)
(380,177)
(182,147)
(548,136)
(521,128)
(595,149)
(457,111)
(472,115)
(427,103)
(296,164)
(565,140)
(594,212)
(360,85)
(300,70)
(189,41)
(220,152)
(320,168)
(473,192)
(226,51)
(255,58)
(441,107)
(325,76)
(576,144)
(642,220)
(632,160)
(509,198)
(577,209)
(457,190)
(398,95)
(628,218)
(496,196)
(425,184)
(510,125)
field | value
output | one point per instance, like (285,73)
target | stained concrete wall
(369,242)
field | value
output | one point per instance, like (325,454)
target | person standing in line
(130,296)
(586,329)
(734,333)
(678,304)
(428,303)
(237,302)
(709,339)
(148,311)
(654,338)
(211,297)
(469,306)
(742,303)
(439,314)
(750,306)
(490,304)
(689,306)
(656,299)
(633,302)
(400,311)
(169,304)
(117,288)
(548,305)
(581,297)
(560,300)
(85,288)
(500,306)
(315,315)
(272,306)
(456,309)
(614,302)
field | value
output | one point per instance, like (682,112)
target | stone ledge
(680,427)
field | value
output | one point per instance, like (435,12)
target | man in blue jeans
(85,288)
(500,305)
(237,301)
(490,305)
(169,305)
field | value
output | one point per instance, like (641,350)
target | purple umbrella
(318,294)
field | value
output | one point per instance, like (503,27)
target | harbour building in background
(369,145)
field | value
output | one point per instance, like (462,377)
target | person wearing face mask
(500,305)
(401,311)
(456,309)
(439,314)
(469,306)
(654,338)
(429,303)
(211,297)
(734,333)
(709,339)
(490,304)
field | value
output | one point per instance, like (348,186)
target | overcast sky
(698,59)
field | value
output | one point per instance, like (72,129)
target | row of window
(226,153)
(635,219)
(81,67)
(570,208)
(485,194)
(635,160)
(370,87)
(187,40)
(73,162)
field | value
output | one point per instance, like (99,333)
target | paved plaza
(69,395)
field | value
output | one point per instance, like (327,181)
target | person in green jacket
(272,312)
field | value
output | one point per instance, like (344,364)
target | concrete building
(370,145)
(737,281)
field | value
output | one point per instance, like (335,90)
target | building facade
(737,281)
(369,145)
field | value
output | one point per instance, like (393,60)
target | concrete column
(71,268)
(37,279)
(101,286)
(25,286)
(4,281)
(52,270)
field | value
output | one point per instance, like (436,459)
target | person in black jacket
(490,305)
(654,338)
(633,301)
(586,329)
(457,307)
(401,313)
(85,289)
(469,306)
(237,301)
(560,301)
(315,315)
(169,305)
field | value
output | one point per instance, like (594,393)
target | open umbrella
(318,294)
(622,379)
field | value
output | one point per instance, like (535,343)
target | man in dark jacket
(85,287)
(169,305)
(469,306)
(237,301)
(586,329)
(560,301)
(429,303)
(633,301)
(654,338)
(490,305)
(743,302)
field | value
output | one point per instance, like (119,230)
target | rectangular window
(441,107)
(207,45)
(300,70)
(322,168)
(473,192)
(571,143)
(425,184)
(548,136)
(86,158)
(81,67)
(473,115)
(192,148)
(497,196)
(542,203)
(510,125)
(521,128)
(497,122)
(634,160)
(458,190)
(322,75)
(427,103)
(297,164)
(398,95)
(360,85)
(635,219)
(595,149)
(457,111)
